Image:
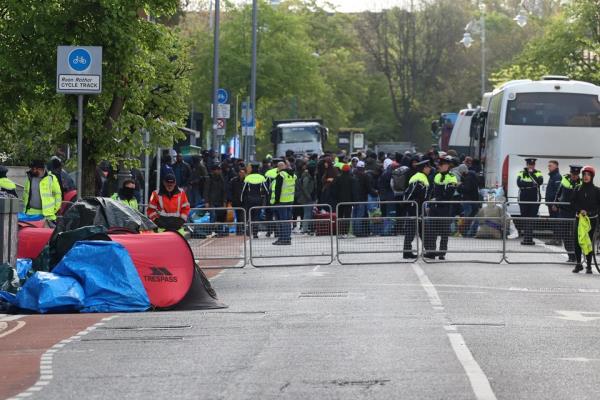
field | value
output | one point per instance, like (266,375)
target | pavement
(386,331)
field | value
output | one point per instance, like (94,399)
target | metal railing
(544,237)
(464,229)
(278,240)
(218,237)
(379,232)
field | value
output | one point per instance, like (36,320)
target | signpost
(79,71)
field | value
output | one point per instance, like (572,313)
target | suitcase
(322,222)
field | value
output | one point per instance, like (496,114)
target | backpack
(400,178)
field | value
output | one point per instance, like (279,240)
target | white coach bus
(552,119)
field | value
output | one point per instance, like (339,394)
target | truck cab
(299,136)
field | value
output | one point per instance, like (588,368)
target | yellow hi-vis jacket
(50,194)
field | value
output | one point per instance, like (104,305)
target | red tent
(164,261)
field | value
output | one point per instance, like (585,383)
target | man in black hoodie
(343,188)
(586,202)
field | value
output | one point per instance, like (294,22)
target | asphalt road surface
(393,331)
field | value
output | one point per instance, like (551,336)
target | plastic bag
(47,292)
(110,280)
(23,267)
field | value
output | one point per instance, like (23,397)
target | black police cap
(530,161)
(575,169)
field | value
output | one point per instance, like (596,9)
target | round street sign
(222,96)
(80,60)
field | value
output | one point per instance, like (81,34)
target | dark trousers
(412,227)
(344,215)
(566,231)
(578,252)
(438,227)
(528,211)
(269,216)
(240,217)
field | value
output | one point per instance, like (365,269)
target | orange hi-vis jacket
(162,205)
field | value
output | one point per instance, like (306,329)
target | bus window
(554,109)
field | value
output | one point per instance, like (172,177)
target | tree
(145,78)
(410,46)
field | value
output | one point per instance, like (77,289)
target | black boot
(578,268)
(409,255)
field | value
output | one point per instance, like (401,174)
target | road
(393,331)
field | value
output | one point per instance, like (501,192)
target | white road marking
(479,381)
(20,324)
(579,359)
(46,372)
(581,316)
(11,318)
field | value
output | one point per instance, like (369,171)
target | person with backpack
(444,186)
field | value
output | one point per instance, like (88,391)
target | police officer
(529,181)
(6,185)
(254,192)
(417,191)
(444,187)
(282,195)
(270,176)
(568,184)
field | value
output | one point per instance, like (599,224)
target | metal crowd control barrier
(278,240)
(544,239)
(375,232)
(217,243)
(464,229)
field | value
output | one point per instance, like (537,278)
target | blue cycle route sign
(80,59)
(223,96)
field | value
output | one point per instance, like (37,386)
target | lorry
(302,136)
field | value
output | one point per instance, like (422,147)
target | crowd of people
(361,189)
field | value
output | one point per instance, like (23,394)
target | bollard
(9,208)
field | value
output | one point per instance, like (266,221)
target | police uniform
(270,176)
(565,211)
(444,187)
(253,195)
(418,190)
(6,185)
(529,191)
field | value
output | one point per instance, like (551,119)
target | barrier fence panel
(376,232)
(543,233)
(277,239)
(467,231)
(218,237)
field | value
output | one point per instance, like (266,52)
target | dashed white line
(477,378)
(46,368)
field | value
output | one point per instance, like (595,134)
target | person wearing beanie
(169,207)
(42,194)
(6,185)
(586,203)
(126,194)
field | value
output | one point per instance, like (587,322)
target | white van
(460,138)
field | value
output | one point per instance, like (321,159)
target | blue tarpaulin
(47,292)
(109,278)
(23,267)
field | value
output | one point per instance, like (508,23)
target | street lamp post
(215,94)
(467,40)
(250,138)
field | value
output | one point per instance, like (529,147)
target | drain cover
(324,294)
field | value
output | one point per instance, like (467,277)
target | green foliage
(570,45)
(145,83)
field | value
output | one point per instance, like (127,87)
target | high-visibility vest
(7,184)
(255,179)
(130,203)
(287,190)
(568,184)
(165,206)
(50,194)
(448,180)
(419,177)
